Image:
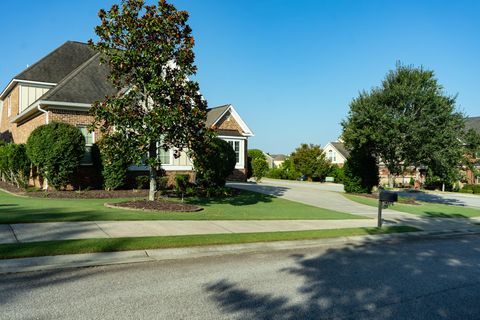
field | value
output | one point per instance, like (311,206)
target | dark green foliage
(286,171)
(149,50)
(115,161)
(142,182)
(337,173)
(214,160)
(14,164)
(249,168)
(260,168)
(309,160)
(407,121)
(361,173)
(56,149)
(258,163)
(162,183)
(182,181)
(471,188)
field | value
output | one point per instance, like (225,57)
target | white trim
(236,116)
(241,152)
(14,81)
(233,137)
(165,167)
(1,111)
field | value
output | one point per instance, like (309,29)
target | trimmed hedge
(14,164)
(56,149)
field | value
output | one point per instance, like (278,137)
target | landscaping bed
(404,200)
(89,194)
(145,205)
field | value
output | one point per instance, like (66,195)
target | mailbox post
(385,198)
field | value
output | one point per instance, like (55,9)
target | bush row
(471,188)
(14,164)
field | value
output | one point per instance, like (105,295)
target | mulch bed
(75,194)
(89,194)
(156,206)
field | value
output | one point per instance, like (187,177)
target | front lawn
(434,210)
(50,248)
(245,206)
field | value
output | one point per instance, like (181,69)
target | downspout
(45,112)
(46,122)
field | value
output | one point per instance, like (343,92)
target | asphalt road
(421,279)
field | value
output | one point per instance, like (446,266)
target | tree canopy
(149,50)
(407,121)
(309,160)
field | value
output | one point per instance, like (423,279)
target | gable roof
(340,148)
(58,64)
(86,84)
(215,114)
(473,123)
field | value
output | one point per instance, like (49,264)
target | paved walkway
(29,232)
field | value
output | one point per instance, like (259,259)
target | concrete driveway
(329,196)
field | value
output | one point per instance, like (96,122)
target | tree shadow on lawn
(432,198)
(432,214)
(244,198)
(409,279)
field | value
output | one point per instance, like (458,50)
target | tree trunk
(443,187)
(152,150)
(391,180)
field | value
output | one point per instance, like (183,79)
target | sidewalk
(29,232)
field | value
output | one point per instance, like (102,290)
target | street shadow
(396,280)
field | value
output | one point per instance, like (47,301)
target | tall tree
(309,160)
(407,121)
(149,49)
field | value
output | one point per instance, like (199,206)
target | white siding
(29,94)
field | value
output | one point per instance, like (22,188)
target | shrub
(162,183)
(56,149)
(14,164)
(476,189)
(361,173)
(214,160)
(142,182)
(116,158)
(181,182)
(337,173)
(260,168)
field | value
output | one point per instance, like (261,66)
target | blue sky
(290,68)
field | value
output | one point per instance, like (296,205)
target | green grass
(246,206)
(49,248)
(435,210)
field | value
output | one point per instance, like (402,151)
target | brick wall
(74,118)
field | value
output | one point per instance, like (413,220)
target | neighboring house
(278,160)
(62,87)
(269,160)
(473,123)
(336,153)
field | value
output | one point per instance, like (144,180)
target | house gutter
(45,112)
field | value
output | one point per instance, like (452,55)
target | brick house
(63,85)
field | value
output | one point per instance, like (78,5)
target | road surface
(421,279)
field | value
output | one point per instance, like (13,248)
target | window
(332,156)
(89,141)
(236,147)
(164,156)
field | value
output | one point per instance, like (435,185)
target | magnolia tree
(149,49)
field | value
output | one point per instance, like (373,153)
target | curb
(19,265)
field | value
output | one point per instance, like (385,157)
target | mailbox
(387,196)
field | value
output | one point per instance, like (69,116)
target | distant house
(62,87)
(336,153)
(278,159)
(269,160)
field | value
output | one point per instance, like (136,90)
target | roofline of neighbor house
(13,82)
